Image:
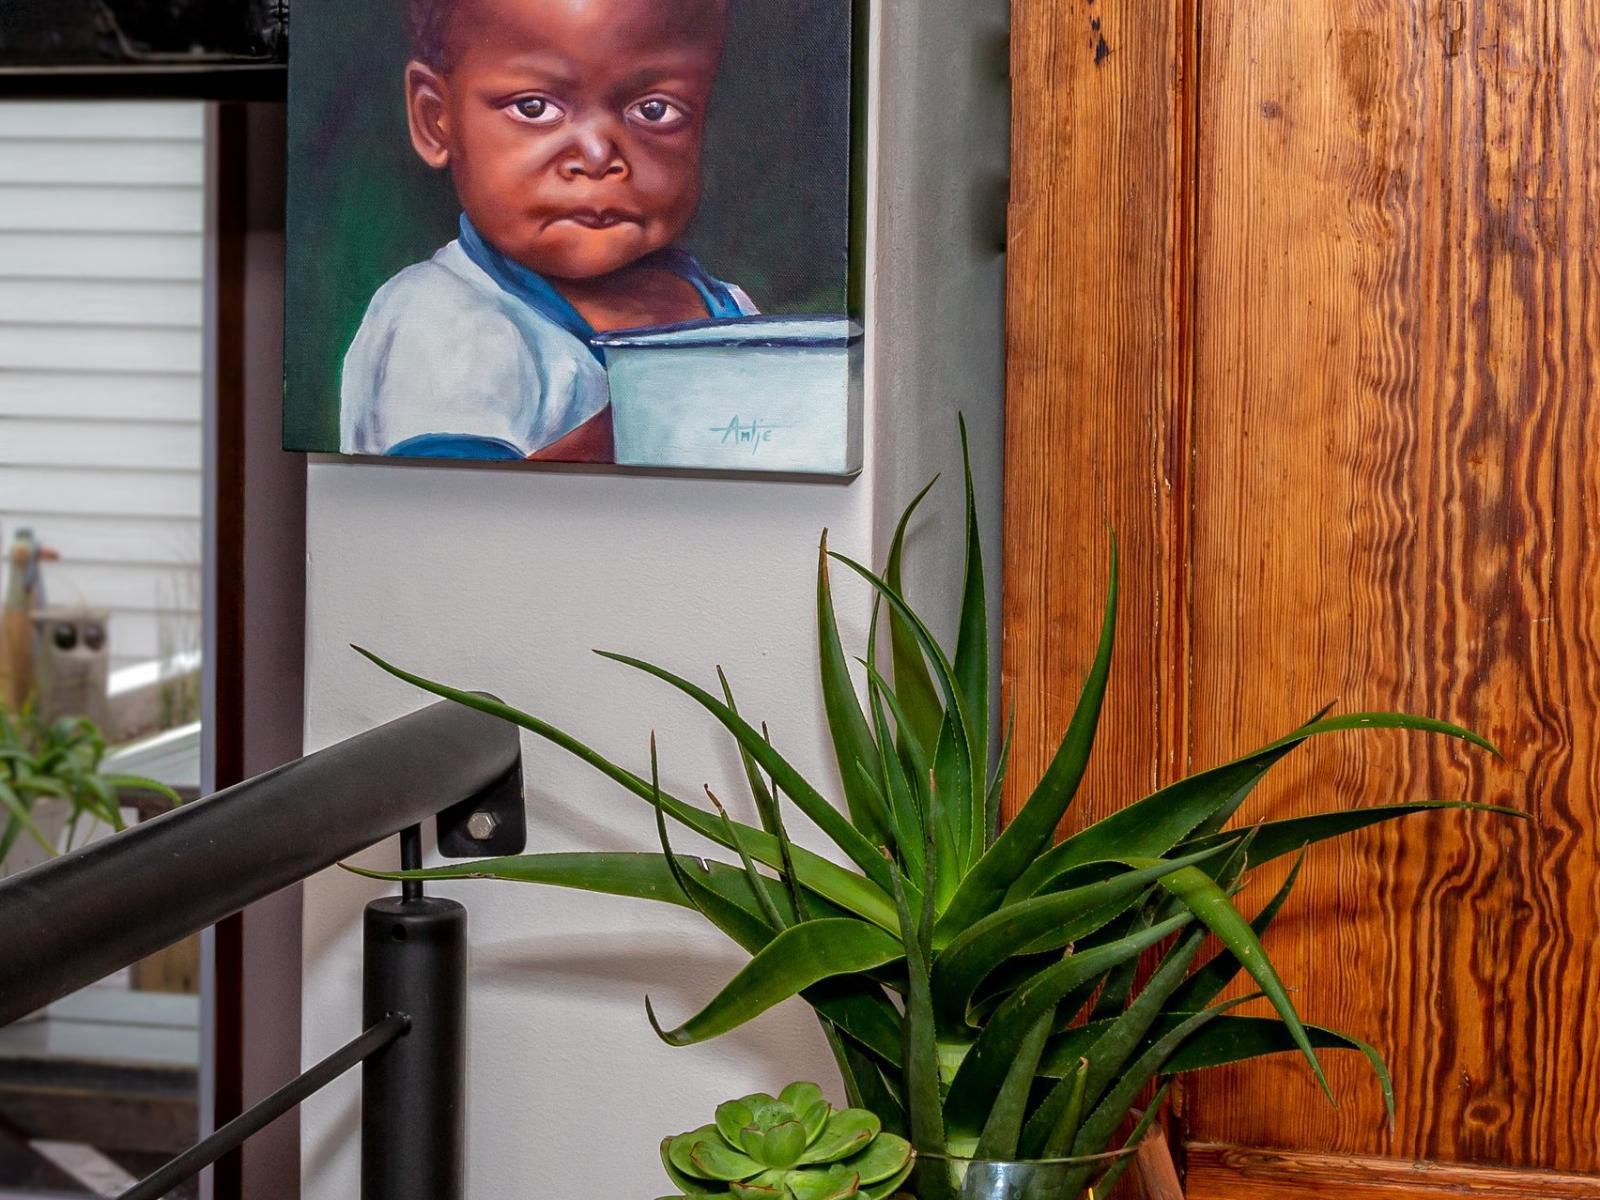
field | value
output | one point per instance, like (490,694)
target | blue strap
(532,288)
(536,292)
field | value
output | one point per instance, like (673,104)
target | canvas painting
(620,232)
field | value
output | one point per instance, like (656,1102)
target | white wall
(100,396)
(504,579)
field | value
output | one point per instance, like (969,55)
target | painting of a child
(573,134)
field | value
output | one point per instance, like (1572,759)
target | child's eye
(659,113)
(535,110)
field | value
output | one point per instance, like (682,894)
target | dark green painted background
(775,217)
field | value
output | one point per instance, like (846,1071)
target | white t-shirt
(447,352)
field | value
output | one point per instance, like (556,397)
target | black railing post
(413,1094)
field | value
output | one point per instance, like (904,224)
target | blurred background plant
(51,784)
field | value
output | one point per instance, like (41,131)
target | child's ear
(426,111)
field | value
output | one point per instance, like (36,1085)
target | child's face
(572,128)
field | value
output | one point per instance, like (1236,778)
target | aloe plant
(976,982)
(794,1146)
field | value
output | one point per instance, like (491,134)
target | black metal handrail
(76,919)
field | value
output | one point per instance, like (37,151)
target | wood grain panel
(1397,452)
(1095,436)
(1232,1173)
(1305,303)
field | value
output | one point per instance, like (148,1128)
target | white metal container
(764,393)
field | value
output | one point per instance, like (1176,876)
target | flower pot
(1052,1179)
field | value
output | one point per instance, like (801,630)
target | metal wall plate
(491,824)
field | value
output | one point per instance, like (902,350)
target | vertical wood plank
(1095,441)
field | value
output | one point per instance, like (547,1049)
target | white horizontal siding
(67,121)
(101,219)
(101,208)
(103,348)
(33,442)
(70,302)
(99,255)
(78,395)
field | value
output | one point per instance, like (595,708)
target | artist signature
(753,433)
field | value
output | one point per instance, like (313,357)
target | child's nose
(594,154)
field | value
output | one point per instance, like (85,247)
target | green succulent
(977,984)
(796,1146)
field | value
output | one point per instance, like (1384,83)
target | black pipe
(76,919)
(413,1098)
(234,1134)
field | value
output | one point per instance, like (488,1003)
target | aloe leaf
(951,807)
(1114,1048)
(903,803)
(1274,839)
(1042,923)
(1200,893)
(1108,1114)
(1069,1118)
(997,781)
(745,928)
(794,960)
(955,737)
(1239,1039)
(922,1052)
(1206,984)
(911,679)
(810,801)
(985,888)
(981,1074)
(847,725)
(769,812)
(818,874)
(863,1080)
(1104,1185)
(758,884)
(998,1141)
(971,662)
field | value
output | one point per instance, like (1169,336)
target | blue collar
(536,292)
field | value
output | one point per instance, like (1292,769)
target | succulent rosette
(795,1146)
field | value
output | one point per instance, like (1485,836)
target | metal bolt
(481,826)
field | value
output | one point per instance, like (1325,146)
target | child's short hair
(428,22)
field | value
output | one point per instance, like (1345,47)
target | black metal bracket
(490,824)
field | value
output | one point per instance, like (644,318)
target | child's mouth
(597,218)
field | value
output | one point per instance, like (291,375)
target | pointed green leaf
(956,765)
(998,1141)
(1206,984)
(997,781)
(922,1053)
(971,661)
(810,801)
(1238,1039)
(1104,1185)
(1069,1118)
(818,874)
(794,960)
(1274,839)
(978,1081)
(983,890)
(1042,923)
(1200,893)
(912,682)
(847,725)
